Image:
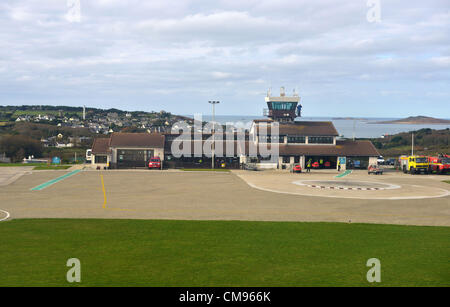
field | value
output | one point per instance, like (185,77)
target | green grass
(22,164)
(220,253)
(36,166)
(51,167)
(205,170)
(446,181)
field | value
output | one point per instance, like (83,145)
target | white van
(88,155)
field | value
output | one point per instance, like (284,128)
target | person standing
(308,166)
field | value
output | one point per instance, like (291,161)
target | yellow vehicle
(414,164)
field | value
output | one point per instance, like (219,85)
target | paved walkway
(10,174)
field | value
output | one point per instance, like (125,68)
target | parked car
(374,169)
(296,168)
(390,162)
(315,165)
(380,160)
(154,163)
(250,166)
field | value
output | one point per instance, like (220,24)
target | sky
(374,58)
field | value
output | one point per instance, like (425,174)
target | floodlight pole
(213,131)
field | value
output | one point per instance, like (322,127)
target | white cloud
(147,54)
(443,61)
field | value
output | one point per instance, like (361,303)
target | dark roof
(305,128)
(345,148)
(143,140)
(100,146)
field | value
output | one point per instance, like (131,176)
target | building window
(271,139)
(101,159)
(296,139)
(320,140)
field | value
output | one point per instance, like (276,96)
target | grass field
(22,164)
(37,166)
(51,167)
(219,253)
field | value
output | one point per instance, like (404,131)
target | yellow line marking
(104,192)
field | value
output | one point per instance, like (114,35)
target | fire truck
(440,164)
(414,164)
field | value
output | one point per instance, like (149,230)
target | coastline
(410,123)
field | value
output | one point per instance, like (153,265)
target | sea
(359,128)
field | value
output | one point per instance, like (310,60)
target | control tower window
(283,105)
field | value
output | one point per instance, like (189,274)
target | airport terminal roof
(344,148)
(100,146)
(142,140)
(304,128)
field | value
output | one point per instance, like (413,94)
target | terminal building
(304,142)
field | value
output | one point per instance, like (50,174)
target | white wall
(373,160)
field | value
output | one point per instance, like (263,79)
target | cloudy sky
(177,55)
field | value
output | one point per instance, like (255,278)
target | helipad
(347,185)
(358,185)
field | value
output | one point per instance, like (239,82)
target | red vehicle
(297,168)
(315,165)
(328,164)
(154,163)
(440,165)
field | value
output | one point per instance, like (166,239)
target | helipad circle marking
(312,184)
(7,215)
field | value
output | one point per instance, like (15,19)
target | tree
(18,147)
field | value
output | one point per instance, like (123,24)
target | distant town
(85,121)
(40,130)
(98,121)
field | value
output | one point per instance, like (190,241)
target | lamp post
(213,131)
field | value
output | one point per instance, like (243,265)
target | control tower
(283,108)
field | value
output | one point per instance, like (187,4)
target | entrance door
(131,158)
